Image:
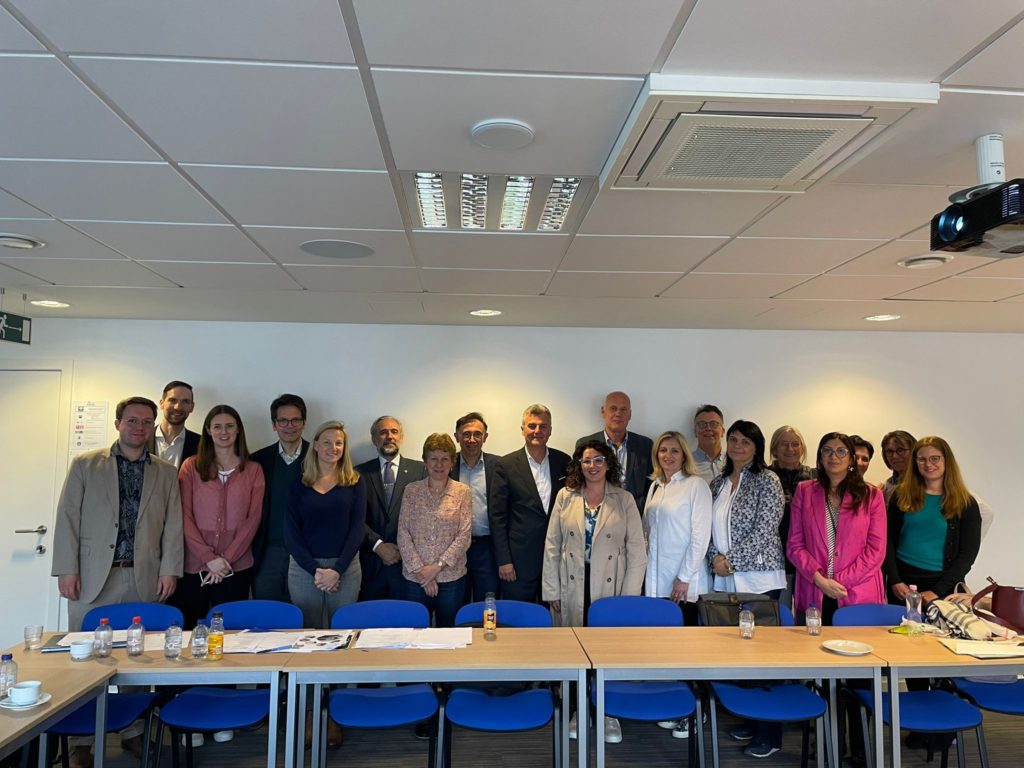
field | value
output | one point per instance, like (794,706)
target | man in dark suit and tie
(522,494)
(632,450)
(476,469)
(385,476)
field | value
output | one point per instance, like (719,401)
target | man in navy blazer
(632,450)
(379,557)
(476,469)
(522,494)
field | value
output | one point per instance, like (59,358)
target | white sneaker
(222,736)
(668,725)
(572,726)
(197,740)
(612,731)
(682,730)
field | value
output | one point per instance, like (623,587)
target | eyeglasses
(839,453)
(896,451)
(787,444)
(933,460)
(708,424)
(596,461)
(471,435)
(296,422)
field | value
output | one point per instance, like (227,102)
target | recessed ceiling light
(882,318)
(502,134)
(337,249)
(558,202)
(20,242)
(485,312)
(925,261)
(516,202)
(49,304)
(474,200)
(430,196)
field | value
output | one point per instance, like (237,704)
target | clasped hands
(327,579)
(427,578)
(218,569)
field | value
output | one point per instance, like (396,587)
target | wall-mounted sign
(15,328)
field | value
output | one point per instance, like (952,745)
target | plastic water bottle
(490,617)
(103,639)
(914,610)
(747,623)
(215,644)
(172,641)
(813,620)
(200,640)
(136,637)
(8,674)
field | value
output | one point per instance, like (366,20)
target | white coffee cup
(26,692)
(81,650)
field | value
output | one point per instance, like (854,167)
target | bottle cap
(136,619)
(6,657)
(218,614)
(201,623)
(913,587)
(104,622)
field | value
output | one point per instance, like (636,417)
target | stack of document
(984,649)
(458,637)
(287,642)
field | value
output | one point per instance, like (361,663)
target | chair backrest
(259,614)
(634,611)
(381,614)
(511,613)
(155,616)
(868,615)
(786,618)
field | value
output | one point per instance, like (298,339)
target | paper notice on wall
(88,426)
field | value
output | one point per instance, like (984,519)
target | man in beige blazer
(118,535)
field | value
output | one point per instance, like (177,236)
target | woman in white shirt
(677,520)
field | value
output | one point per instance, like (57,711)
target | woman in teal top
(934,525)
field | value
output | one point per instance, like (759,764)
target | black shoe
(915,740)
(424,730)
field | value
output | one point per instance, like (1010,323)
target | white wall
(964,387)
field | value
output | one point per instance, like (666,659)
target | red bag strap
(992,587)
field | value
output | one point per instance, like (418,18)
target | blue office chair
(650,701)
(926,712)
(380,708)
(527,710)
(123,709)
(256,615)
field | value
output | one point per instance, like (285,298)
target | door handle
(39,529)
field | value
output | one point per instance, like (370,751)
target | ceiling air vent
(739,134)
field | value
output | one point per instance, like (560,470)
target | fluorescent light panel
(558,202)
(516,202)
(474,201)
(430,196)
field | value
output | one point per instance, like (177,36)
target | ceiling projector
(989,224)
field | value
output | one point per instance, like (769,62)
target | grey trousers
(316,605)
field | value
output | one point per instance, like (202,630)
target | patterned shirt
(130,477)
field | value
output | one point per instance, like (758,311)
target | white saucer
(847,647)
(7,704)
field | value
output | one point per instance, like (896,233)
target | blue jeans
(481,570)
(450,597)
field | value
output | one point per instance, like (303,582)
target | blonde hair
(689,466)
(777,438)
(910,491)
(311,464)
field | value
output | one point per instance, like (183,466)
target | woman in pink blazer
(838,533)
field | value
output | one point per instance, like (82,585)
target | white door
(30,408)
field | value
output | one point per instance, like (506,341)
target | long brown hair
(853,483)
(206,458)
(910,491)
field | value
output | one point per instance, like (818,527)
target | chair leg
(699,720)
(432,749)
(982,749)
(823,737)
(65,753)
(447,747)
(440,761)
(961,758)
(147,732)
(189,751)
(556,731)
(158,747)
(691,745)
(805,743)
(713,704)
(869,758)
(175,746)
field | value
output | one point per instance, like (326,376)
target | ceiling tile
(601,36)
(16,278)
(882,261)
(849,288)
(784,256)
(302,198)
(852,211)
(90,272)
(916,42)
(345,279)
(610,284)
(46,93)
(391,247)
(62,242)
(14,37)
(107,191)
(630,254)
(175,242)
(484,281)
(997,66)
(312,30)
(12,208)
(489,250)
(712,287)
(968,289)
(576,120)
(656,212)
(1012,268)
(237,277)
(238,113)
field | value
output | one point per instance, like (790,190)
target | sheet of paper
(286,642)
(458,637)
(983,649)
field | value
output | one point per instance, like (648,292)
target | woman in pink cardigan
(838,534)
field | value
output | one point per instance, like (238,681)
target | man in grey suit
(476,469)
(385,476)
(118,535)
(632,450)
(522,494)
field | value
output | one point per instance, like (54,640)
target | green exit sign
(15,328)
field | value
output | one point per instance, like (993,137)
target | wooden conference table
(516,655)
